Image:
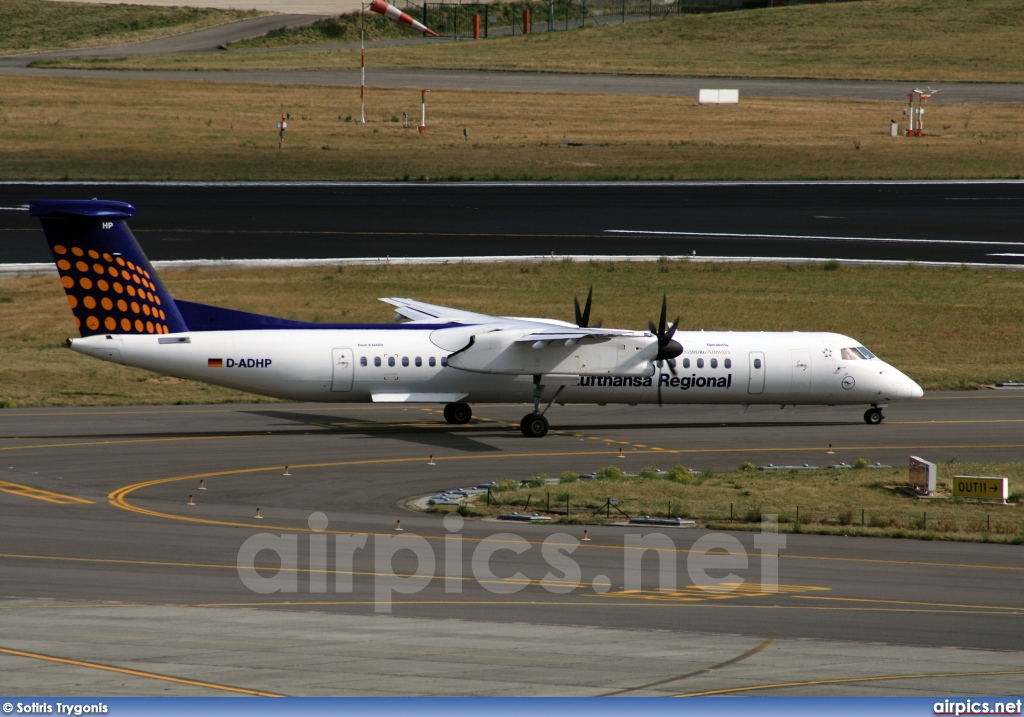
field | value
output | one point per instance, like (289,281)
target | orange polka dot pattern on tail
(97,301)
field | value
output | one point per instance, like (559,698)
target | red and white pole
(362,64)
(423,118)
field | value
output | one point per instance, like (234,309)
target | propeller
(668,349)
(583,318)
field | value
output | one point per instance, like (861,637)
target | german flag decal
(215,363)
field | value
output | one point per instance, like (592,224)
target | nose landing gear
(534,425)
(873,416)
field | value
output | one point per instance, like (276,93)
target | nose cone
(907,389)
(915,390)
(897,386)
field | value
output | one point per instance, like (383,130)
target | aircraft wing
(421,311)
(540,329)
(557,333)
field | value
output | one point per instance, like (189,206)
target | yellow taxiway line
(118,498)
(691,597)
(27,491)
(137,673)
(842,680)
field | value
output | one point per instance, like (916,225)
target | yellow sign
(984,487)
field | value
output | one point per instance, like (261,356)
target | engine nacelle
(506,352)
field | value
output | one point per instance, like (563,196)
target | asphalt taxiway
(958,222)
(113,584)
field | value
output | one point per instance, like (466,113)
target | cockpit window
(856,353)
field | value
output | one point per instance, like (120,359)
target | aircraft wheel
(873,416)
(534,425)
(457,413)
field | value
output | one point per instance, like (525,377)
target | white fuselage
(404,365)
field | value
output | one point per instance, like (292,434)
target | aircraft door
(755,381)
(341,376)
(801,361)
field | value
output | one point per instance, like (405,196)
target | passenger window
(700,363)
(714,363)
(686,363)
(728,363)
(376,360)
(757,363)
(444,360)
(431,361)
(362,360)
(391,360)
(419,362)
(405,360)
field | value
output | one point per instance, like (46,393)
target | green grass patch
(946,328)
(829,501)
(911,40)
(36,25)
(341,29)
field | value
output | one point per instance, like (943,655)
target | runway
(957,222)
(107,569)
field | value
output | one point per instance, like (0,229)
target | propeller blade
(667,348)
(671,331)
(672,367)
(583,318)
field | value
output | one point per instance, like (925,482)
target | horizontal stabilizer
(67,208)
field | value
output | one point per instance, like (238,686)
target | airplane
(437,354)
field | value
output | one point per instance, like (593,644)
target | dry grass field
(912,40)
(946,328)
(36,25)
(848,501)
(57,129)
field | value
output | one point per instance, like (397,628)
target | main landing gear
(457,413)
(534,425)
(873,416)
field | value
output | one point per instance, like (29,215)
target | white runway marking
(811,237)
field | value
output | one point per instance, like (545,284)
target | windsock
(381,7)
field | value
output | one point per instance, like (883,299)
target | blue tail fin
(110,284)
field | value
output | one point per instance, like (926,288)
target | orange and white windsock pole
(381,7)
